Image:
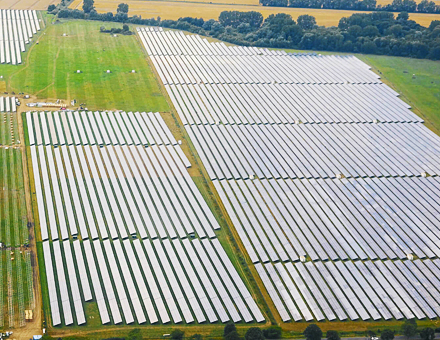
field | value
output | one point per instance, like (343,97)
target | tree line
(410,6)
(371,33)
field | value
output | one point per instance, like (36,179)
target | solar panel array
(117,209)
(17,27)
(313,158)
(8,121)
(8,104)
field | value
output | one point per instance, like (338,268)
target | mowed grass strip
(211,10)
(50,71)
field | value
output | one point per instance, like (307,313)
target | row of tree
(408,329)
(424,6)
(371,33)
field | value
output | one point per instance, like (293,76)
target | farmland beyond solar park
(195,183)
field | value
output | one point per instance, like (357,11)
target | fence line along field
(133,231)
(310,168)
(174,10)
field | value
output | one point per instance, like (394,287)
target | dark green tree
(229,327)
(333,335)
(403,16)
(409,328)
(273,332)
(313,332)
(196,337)
(177,334)
(427,334)
(51,7)
(254,333)
(387,334)
(306,22)
(88,6)
(122,8)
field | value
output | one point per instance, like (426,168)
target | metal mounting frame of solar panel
(82,269)
(83,193)
(279,212)
(74,287)
(236,196)
(268,223)
(326,291)
(160,277)
(410,290)
(106,280)
(315,291)
(133,199)
(94,278)
(52,130)
(272,292)
(125,202)
(118,283)
(372,289)
(187,201)
(65,192)
(151,283)
(283,292)
(168,153)
(339,293)
(127,278)
(99,190)
(350,277)
(174,283)
(56,194)
(157,210)
(221,288)
(39,195)
(48,194)
(140,192)
(174,208)
(189,289)
(392,294)
(51,284)
(418,291)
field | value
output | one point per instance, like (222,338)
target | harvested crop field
(174,10)
(26,4)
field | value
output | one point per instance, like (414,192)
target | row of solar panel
(16,29)
(159,42)
(261,69)
(146,281)
(316,150)
(335,219)
(8,104)
(98,128)
(287,103)
(130,190)
(354,290)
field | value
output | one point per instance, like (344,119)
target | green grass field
(49,71)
